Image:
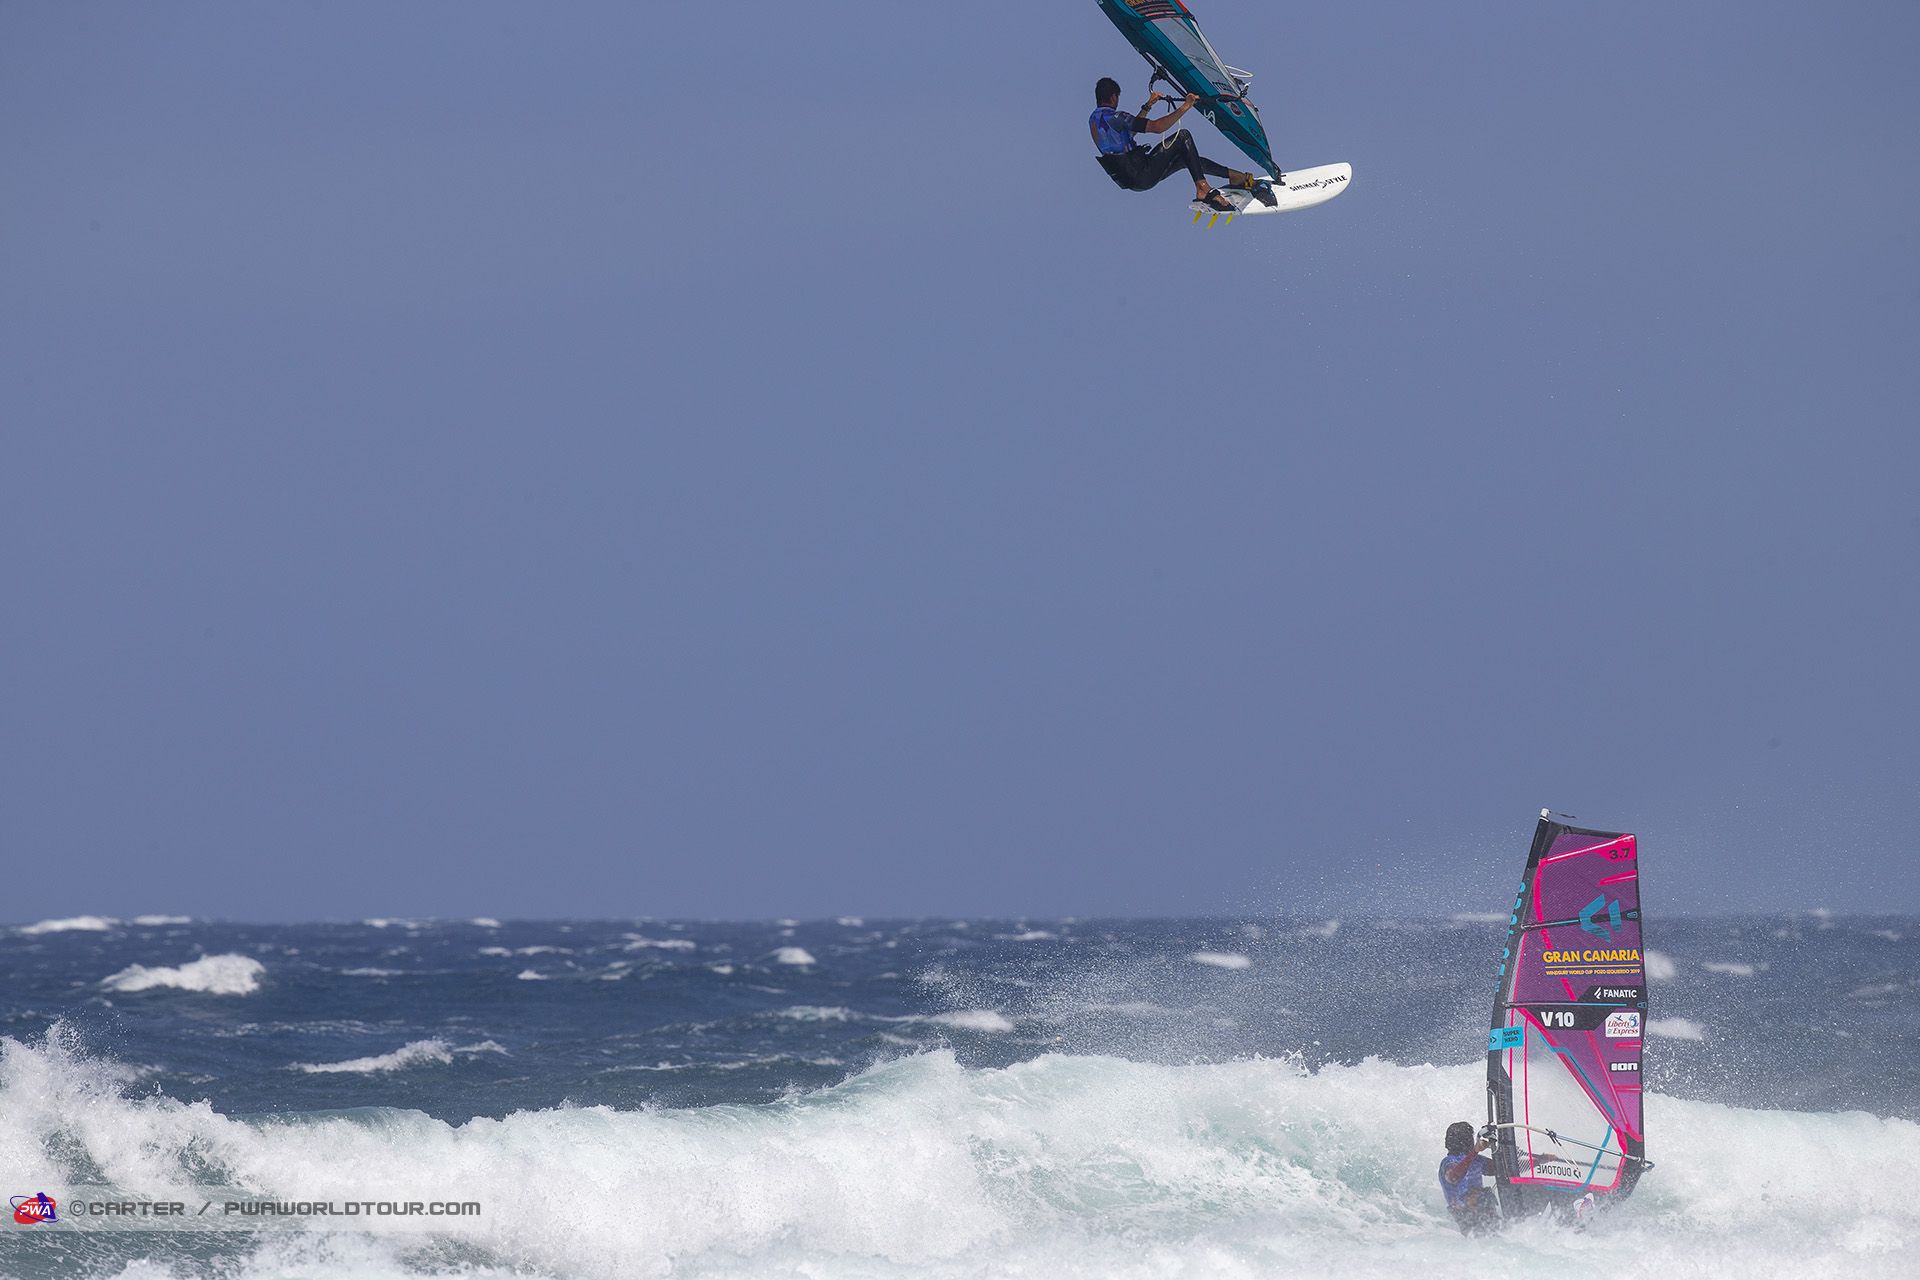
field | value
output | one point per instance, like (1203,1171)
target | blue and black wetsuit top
(1461,1174)
(1113,130)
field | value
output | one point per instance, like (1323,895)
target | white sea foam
(1660,967)
(485,922)
(665,944)
(154,921)
(793,955)
(1324,930)
(1068,1167)
(228,975)
(1028,935)
(1221,959)
(371,973)
(819,1013)
(1732,967)
(1676,1029)
(496,951)
(72,924)
(1481,917)
(974,1020)
(417,1053)
(1062,1165)
(435,1052)
(532,975)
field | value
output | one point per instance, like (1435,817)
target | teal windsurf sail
(1169,39)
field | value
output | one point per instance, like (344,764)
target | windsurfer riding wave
(1138,168)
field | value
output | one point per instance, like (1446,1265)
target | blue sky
(748,460)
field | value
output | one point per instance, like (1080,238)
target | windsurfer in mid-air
(1138,168)
(1469,1201)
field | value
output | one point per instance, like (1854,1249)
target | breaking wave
(216,975)
(72,924)
(1059,1166)
(415,1054)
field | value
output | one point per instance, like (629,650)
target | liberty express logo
(29,1210)
(1623,1024)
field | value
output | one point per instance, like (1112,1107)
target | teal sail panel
(1167,37)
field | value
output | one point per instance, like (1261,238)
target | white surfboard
(1298,189)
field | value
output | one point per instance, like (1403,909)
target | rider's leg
(1197,165)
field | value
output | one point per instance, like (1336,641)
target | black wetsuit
(1143,168)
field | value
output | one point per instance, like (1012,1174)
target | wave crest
(84,924)
(1063,1166)
(417,1053)
(229,975)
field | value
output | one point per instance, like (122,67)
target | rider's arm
(1461,1168)
(1166,122)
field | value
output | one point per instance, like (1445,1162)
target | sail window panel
(1189,44)
(1550,1095)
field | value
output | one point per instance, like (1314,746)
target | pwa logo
(1590,921)
(32,1209)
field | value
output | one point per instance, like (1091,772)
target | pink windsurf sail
(1564,1052)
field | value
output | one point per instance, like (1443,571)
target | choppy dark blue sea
(875,1097)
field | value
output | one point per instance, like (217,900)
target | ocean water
(854,1098)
